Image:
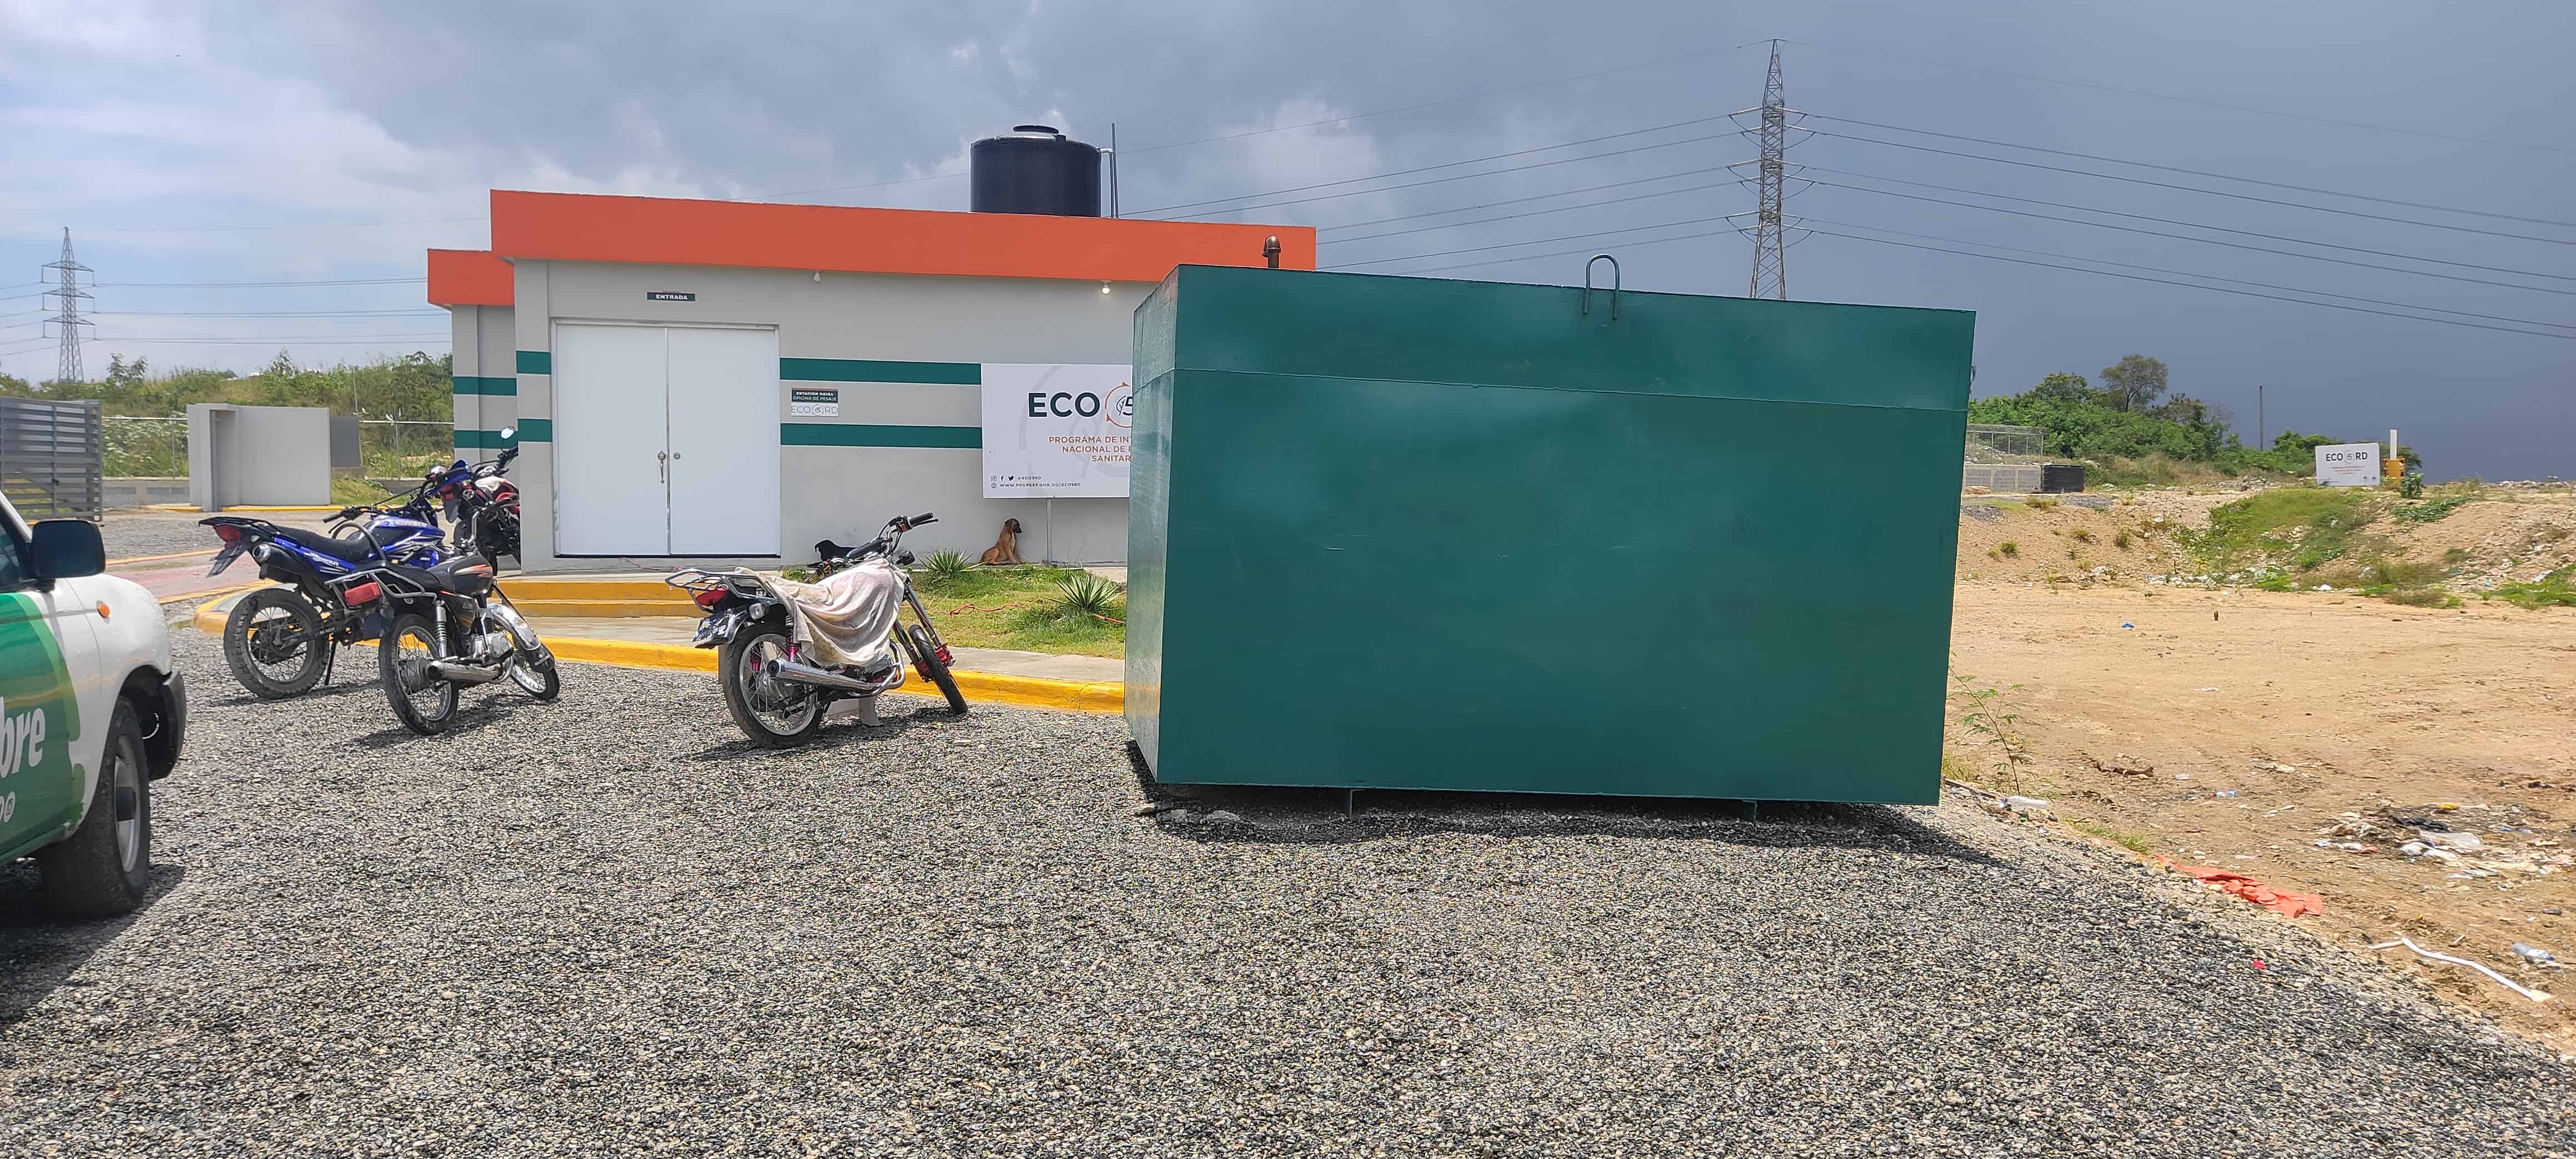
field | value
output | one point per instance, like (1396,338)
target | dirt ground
(2241,729)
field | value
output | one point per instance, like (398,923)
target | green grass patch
(2312,526)
(1026,608)
(2556,589)
(2009,548)
(2432,510)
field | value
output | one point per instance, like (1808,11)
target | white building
(706,381)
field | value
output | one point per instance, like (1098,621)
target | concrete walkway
(678,629)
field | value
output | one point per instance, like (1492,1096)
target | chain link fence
(140,447)
(2003,458)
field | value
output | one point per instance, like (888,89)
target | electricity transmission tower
(1770,268)
(66,291)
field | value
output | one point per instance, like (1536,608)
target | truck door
(47,760)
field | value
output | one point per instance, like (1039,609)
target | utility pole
(1770,267)
(2262,431)
(66,291)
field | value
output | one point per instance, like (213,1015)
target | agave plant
(1085,594)
(943,568)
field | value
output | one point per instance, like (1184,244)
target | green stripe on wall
(536,430)
(867,435)
(465,384)
(474,440)
(868,370)
(536,362)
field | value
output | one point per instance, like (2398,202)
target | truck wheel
(103,868)
(275,644)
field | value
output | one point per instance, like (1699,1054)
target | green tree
(2135,382)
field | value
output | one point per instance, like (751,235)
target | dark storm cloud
(748,99)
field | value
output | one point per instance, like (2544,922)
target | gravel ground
(607,926)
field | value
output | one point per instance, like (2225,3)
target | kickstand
(330,661)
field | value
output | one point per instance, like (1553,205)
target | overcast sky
(276,141)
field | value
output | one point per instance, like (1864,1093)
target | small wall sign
(812,403)
(668,296)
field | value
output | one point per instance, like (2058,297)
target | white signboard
(1054,429)
(2348,465)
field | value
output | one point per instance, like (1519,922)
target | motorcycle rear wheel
(773,713)
(276,656)
(422,700)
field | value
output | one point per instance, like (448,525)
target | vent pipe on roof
(1035,169)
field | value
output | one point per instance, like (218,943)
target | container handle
(1588,287)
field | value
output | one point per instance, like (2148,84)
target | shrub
(2009,548)
(2558,588)
(2082,534)
(1083,594)
(943,569)
(2431,510)
(2041,503)
(2123,540)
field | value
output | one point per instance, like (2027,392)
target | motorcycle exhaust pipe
(463,673)
(808,674)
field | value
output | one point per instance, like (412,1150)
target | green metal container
(1412,533)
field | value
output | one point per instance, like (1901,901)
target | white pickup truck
(91,713)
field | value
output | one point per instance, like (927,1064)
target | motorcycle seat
(467,576)
(352,550)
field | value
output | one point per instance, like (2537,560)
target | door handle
(662,465)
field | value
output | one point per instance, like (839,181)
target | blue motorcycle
(281,641)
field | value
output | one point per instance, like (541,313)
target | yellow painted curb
(979,687)
(200,618)
(159,558)
(603,609)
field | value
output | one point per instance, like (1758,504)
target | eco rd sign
(2348,465)
(1057,429)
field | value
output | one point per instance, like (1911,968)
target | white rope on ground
(2508,983)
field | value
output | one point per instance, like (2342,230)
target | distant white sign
(2348,465)
(1057,429)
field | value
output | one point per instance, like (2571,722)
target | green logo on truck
(39,717)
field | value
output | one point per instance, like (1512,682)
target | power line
(2191,224)
(311,340)
(2188,188)
(271,313)
(2194,286)
(2208,240)
(1531,213)
(2189,100)
(1535,241)
(2194,173)
(1444,165)
(270,228)
(1443,180)
(1562,253)
(1273,129)
(227,285)
(1530,198)
(2194,274)
(1434,104)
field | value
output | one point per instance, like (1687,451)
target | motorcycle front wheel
(422,699)
(773,713)
(925,660)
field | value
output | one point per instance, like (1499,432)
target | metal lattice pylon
(1770,264)
(66,291)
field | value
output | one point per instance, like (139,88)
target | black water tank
(1034,169)
(2061,478)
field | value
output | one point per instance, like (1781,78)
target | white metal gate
(52,457)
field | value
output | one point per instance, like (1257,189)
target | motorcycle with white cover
(787,650)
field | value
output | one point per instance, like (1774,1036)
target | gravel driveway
(138,533)
(606,926)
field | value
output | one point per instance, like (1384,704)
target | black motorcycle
(450,627)
(482,504)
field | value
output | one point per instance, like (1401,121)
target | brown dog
(1006,550)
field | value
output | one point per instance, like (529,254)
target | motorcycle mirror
(509,433)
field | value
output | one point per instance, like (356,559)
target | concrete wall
(486,376)
(258,455)
(142,490)
(843,492)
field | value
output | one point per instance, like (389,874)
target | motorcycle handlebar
(924,517)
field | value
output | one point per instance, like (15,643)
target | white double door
(665,440)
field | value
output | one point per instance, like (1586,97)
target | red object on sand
(2279,901)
